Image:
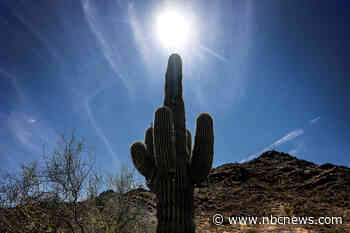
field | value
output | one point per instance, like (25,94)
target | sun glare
(173,29)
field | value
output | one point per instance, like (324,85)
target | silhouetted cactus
(166,161)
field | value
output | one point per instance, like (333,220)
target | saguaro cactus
(166,160)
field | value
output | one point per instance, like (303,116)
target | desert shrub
(62,195)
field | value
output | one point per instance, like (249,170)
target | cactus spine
(167,160)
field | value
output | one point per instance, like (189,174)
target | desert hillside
(274,184)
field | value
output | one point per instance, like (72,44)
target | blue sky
(273,74)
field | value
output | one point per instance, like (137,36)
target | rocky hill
(272,185)
(275,185)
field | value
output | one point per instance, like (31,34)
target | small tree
(24,201)
(64,194)
(71,174)
(43,199)
(67,172)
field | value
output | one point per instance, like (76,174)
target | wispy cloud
(31,120)
(14,83)
(23,141)
(213,53)
(98,129)
(299,147)
(316,119)
(25,20)
(20,132)
(23,134)
(288,137)
(112,55)
(141,39)
(31,137)
(109,48)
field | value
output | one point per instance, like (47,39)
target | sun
(173,29)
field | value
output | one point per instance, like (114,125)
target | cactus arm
(142,155)
(203,150)
(143,162)
(149,141)
(164,141)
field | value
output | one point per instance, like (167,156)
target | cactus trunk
(175,203)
